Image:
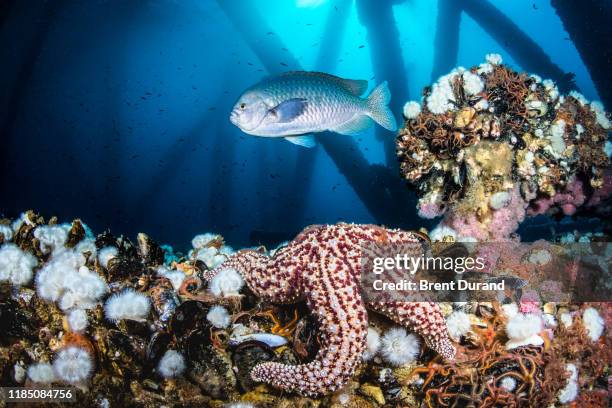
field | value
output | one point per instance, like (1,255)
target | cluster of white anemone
(219,317)
(106,254)
(73,365)
(51,238)
(172,364)
(176,277)
(441,98)
(6,232)
(227,282)
(65,279)
(458,323)
(210,255)
(16,266)
(593,323)
(127,305)
(570,391)
(524,329)
(397,347)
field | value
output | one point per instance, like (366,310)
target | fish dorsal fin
(302,140)
(355,86)
(354,126)
(288,110)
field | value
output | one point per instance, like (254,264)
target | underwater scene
(305,203)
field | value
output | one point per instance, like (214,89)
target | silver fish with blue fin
(294,105)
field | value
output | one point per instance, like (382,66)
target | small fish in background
(296,104)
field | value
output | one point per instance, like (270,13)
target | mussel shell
(24,239)
(131,344)
(150,252)
(125,352)
(157,346)
(193,344)
(200,265)
(165,300)
(134,327)
(105,239)
(210,368)
(126,248)
(246,356)
(188,317)
(120,268)
(76,234)
(16,322)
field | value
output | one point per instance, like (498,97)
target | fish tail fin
(377,107)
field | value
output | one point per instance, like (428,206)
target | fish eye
(242,105)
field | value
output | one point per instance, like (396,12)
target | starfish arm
(271,279)
(343,326)
(425,318)
(243,262)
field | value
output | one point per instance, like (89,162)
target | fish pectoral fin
(354,126)
(288,110)
(302,140)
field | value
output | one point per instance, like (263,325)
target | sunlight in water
(309,3)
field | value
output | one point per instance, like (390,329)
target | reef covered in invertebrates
(491,146)
(135,323)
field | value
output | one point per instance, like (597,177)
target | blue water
(117,111)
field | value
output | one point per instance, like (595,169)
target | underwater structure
(490,146)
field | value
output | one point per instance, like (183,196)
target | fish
(297,104)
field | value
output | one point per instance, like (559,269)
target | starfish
(322,266)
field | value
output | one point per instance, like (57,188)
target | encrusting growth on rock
(491,146)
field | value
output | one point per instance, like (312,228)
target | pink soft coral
(568,200)
(430,210)
(498,227)
(502,223)
(530,302)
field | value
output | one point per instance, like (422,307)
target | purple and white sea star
(322,266)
